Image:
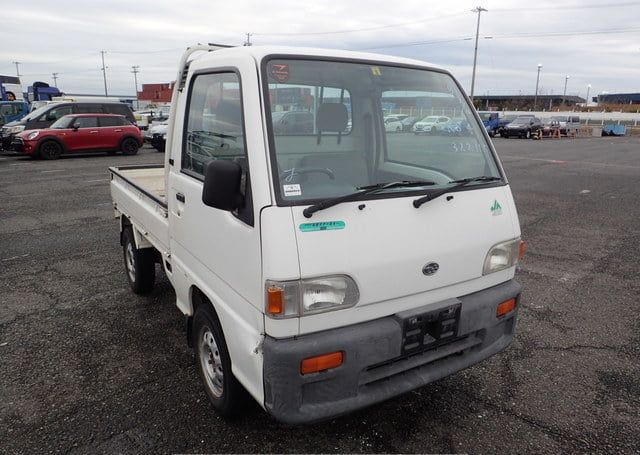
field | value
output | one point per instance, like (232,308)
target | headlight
(502,256)
(33,135)
(15,129)
(286,299)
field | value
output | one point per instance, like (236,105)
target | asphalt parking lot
(88,367)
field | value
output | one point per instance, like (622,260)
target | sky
(592,41)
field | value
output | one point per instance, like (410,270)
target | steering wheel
(293,172)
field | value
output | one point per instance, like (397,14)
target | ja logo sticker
(496,208)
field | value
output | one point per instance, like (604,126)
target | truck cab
(11,111)
(325,269)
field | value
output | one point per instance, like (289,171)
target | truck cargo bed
(139,193)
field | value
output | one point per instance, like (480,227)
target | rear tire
(214,363)
(50,150)
(140,265)
(434,130)
(129,146)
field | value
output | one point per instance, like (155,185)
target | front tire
(129,146)
(140,264)
(214,363)
(50,150)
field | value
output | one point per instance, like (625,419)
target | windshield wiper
(364,190)
(457,184)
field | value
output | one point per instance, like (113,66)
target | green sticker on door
(322,226)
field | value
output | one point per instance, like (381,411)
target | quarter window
(214,124)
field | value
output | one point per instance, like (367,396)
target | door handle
(180,197)
(93,132)
(118,131)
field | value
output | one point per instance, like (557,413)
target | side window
(89,109)
(110,121)
(214,123)
(86,122)
(55,113)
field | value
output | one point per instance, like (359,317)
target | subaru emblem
(430,268)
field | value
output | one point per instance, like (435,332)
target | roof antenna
(248,41)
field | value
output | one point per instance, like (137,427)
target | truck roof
(258,52)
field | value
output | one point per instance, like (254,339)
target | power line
(366,29)
(511,36)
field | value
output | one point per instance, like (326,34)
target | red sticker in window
(279,71)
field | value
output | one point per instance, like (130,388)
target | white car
(392,125)
(156,135)
(431,124)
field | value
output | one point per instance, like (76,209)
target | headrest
(332,118)
(229,115)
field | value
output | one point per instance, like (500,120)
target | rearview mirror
(221,189)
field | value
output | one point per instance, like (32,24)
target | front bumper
(374,368)
(5,140)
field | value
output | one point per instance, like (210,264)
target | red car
(81,133)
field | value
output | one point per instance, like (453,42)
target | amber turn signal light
(321,362)
(505,307)
(521,249)
(275,300)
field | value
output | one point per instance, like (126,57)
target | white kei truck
(327,265)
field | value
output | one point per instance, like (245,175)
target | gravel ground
(88,367)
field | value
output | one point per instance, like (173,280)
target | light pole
(535,98)
(104,73)
(136,70)
(478,10)
(55,79)
(17,68)
(587,100)
(564,94)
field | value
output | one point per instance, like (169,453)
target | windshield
(36,113)
(486,115)
(343,143)
(62,123)
(522,120)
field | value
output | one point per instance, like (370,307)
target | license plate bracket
(427,329)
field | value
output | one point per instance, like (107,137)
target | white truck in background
(321,272)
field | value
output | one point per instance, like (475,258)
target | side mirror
(221,189)
(75,127)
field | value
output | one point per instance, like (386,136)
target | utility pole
(478,10)
(104,73)
(564,94)
(248,41)
(136,70)
(17,68)
(55,79)
(535,98)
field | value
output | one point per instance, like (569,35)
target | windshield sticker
(496,208)
(375,70)
(279,71)
(322,226)
(292,190)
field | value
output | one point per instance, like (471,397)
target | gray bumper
(374,369)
